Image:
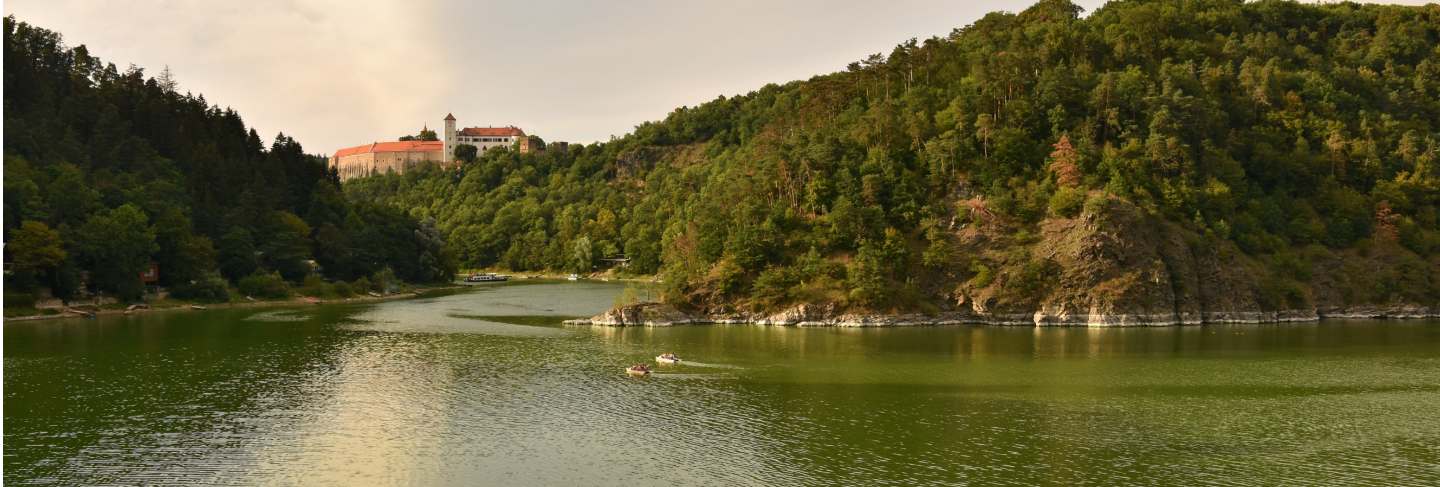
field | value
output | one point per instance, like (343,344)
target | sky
(338,73)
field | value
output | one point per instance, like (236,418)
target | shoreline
(298,301)
(659,315)
(546,275)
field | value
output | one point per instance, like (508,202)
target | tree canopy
(1275,126)
(125,170)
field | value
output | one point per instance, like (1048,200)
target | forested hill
(1197,159)
(107,171)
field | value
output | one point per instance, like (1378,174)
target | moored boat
(573,277)
(487,277)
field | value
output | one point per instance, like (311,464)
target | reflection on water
(487,387)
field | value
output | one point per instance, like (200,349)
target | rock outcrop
(1114,265)
(641,314)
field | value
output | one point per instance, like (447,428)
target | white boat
(573,277)
(487,277)
(667,358)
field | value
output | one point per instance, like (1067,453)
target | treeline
(107,171)
(1296,132)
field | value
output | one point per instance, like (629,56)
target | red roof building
(382,157)
(511,131)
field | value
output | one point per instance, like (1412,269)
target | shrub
(385,281)
(210,288)
(315,286)
(262,285)
(19,300)
(1067,202)
(362,285)
(983,275)
(1033,279)
(1278,294)
(773,285)
(342,289)
(1095,204)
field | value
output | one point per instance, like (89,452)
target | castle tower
(448,151)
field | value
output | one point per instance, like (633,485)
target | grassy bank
(168,304)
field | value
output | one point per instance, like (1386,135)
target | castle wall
(373,163)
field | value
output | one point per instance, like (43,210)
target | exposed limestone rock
(1114,265)
(642,314)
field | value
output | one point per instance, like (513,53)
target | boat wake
(712,366)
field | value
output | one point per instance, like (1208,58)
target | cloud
(335,73)
(327,72)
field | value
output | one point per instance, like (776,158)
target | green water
(485,387)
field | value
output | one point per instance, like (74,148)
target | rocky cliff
(1113,265)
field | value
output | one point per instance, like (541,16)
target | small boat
(573,277)
(638,369)
(487,277)
(196,306)
(667,358)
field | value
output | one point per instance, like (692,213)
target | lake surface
(486,387)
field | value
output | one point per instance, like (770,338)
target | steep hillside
(107,172)
(1155,161)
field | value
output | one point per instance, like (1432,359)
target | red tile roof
(492,131)
(400,146)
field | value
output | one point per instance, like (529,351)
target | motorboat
(638,369)
(573,277)
(667,358)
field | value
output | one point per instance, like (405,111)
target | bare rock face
(640,314)
(1118,266)
(1114,265)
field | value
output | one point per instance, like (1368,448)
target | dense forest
(1292,139)
(108,171)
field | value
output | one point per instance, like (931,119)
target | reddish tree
(1065,163)
(1385,219)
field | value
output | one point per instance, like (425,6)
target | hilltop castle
(397,157)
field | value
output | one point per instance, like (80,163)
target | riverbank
(547,275)
(175,305)
(658,314)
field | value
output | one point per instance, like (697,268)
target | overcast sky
(336,73)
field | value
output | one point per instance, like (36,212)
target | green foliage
(384,281)
(342,289)
(465,152)
(19,300)
(1067,202)
(211,288)
(264,285)
(1274,125)
(238,254)
(983,276)
(313,285)
(1279,294)
(288,248)
(127,170)
(116,245)
(35,251)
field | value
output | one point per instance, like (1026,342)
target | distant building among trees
(400,156)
